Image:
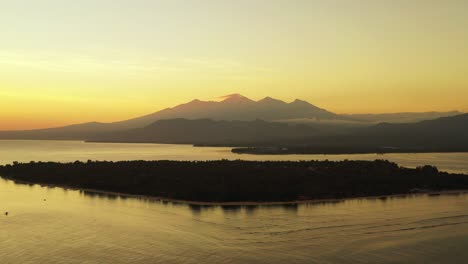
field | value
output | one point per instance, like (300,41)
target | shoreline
(273,152)
(231,183)
(243,203)
(254,151)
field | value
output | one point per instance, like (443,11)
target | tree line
(235,181)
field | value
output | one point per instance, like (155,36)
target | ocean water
(56,225)
(25,151)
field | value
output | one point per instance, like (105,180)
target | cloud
(122,64)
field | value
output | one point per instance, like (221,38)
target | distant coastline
(239,182)
(446,134)
(242,149)
(337,151)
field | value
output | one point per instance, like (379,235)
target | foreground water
(66,151)
(54,225)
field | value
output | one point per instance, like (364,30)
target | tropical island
(239,181)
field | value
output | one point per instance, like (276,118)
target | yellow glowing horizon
(125,60)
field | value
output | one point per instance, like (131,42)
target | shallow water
(25,151)
(54,225)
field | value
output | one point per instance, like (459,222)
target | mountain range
(443,134)
(211,132)
(234,107)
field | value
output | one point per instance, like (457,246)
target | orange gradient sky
(64,62)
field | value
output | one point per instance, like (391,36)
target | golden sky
(67,61)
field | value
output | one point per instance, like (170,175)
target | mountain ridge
(446,134)
(230,107)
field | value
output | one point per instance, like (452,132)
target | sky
(67,61)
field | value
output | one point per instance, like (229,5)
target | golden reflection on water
(54,225)
(67,151)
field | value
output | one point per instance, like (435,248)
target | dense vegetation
(234,181)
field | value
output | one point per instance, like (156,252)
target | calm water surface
(54,225)
(25,151)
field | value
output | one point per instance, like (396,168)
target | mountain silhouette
(446,134)
(233,107)
(405,117)
(443,134)
(236,107)
(210,132)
